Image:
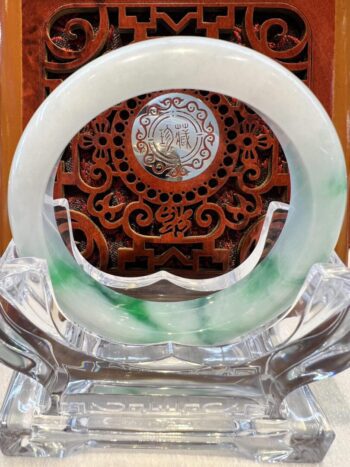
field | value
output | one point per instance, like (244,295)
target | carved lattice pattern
(128,222)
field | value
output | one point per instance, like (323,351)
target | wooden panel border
(341,102)
(10,100)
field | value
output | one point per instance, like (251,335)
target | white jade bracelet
(309,141)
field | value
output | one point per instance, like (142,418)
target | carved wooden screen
(130,219)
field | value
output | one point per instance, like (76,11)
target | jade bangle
(298,120)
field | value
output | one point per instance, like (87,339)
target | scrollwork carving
(137,208)
(78,43)
(273,37)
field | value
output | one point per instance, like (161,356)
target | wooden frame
(11,98)
(341,103)
(10,101)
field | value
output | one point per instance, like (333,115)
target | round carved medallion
(175,137)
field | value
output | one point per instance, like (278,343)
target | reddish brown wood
(173,232)
(316,17)
(10,101)
(209,224)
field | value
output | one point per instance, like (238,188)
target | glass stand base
(100,414)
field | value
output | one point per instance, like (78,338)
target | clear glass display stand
(73,391)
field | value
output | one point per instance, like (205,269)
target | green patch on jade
(63,274)
(337,186)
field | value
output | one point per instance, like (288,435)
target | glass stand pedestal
(73,391)
(108,415)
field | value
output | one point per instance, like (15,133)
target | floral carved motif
(138,209)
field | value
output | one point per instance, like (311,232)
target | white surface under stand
(332,394)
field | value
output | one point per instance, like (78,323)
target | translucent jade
(310,143)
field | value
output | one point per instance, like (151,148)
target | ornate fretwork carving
(136,211)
